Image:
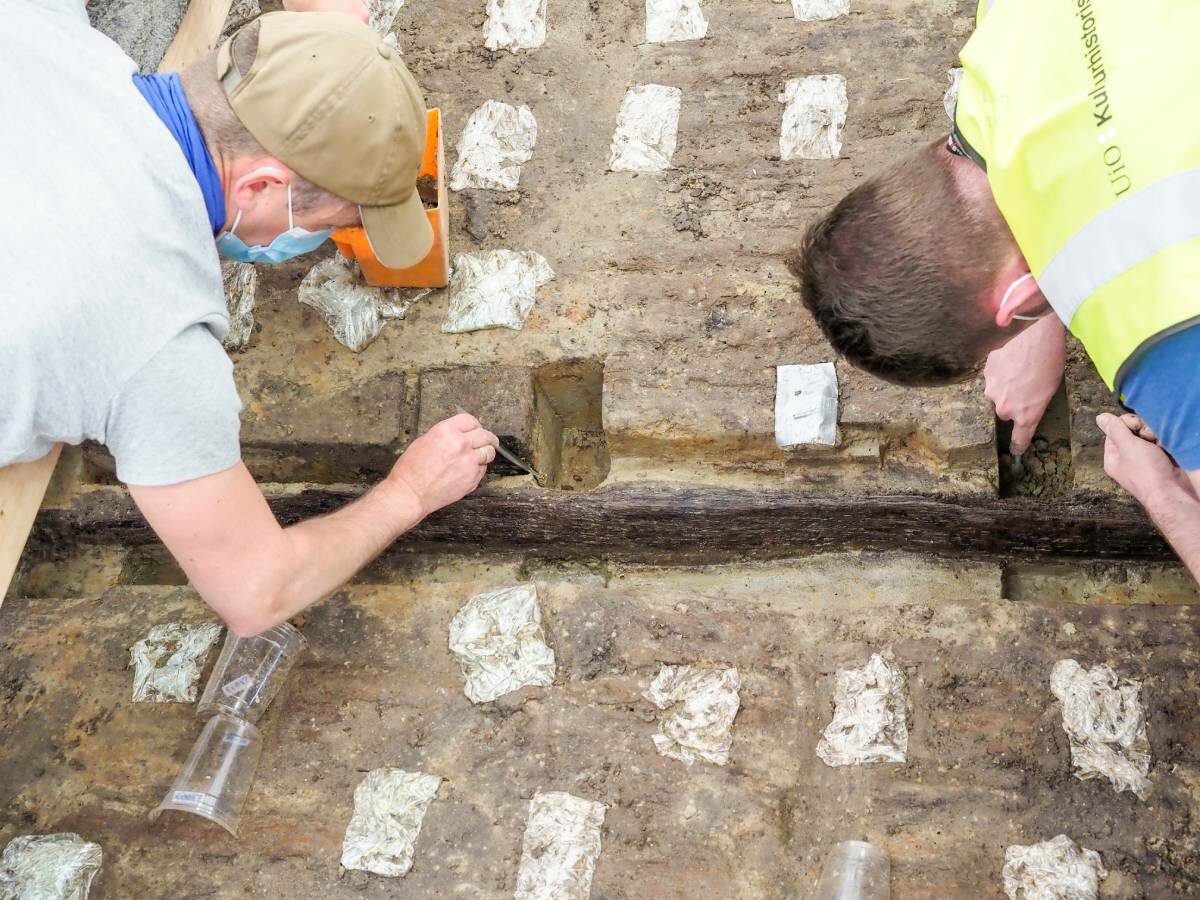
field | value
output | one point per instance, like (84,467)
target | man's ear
(252,185)
(1016,294)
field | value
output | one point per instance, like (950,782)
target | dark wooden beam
(657,523)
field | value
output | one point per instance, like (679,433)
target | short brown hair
(896,274)
(223,130)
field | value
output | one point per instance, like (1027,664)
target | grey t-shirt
(111,305)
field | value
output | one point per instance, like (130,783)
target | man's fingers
(1022,436)
(464,422)
(1134,423)
(1137,425)
(1115,433)
(1115,430)
(481,437)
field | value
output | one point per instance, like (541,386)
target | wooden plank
(198,34)
(655,523)
(22,488)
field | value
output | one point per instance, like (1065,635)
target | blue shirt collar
(165,95)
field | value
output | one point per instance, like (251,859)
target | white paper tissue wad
(703,704)
(48,867)
(515,25)
(1058,869)
(647,129)
(389,807)
(167,661)
(240,281)
(560,849)
(498,139)
(813,118)
(354,310)
(381,15)
(950,98)
(1105,722)
(806,405)
(495,289)
(819,10)
(498,639)
(674,20)
(870,716)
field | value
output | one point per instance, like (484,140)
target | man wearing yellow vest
(1068,194)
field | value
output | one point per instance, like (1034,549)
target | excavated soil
(649,359)
(988,763)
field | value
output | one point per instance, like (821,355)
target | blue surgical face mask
(293,242)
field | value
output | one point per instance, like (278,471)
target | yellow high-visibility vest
(1084,114)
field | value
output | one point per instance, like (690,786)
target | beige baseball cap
(336,104)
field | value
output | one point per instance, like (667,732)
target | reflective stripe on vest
(1120,238)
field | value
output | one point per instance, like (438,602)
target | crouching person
(113,306)
(1065,196)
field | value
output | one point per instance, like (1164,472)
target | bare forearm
(317,556)
(256,574)
(1176,513)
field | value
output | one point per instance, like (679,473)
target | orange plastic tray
(434,270)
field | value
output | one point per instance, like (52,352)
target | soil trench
(669,528)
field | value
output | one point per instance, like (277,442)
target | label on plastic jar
(192,797)
(237,686)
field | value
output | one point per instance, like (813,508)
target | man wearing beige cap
(113,308)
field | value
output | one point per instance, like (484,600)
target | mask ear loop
(1012,287)
(238,217)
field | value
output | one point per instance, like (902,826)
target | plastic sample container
(250,671)
(216,779)
(855,870)
(434,270)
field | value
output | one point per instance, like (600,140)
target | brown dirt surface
(650,358)
(674,284)
(988,762)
